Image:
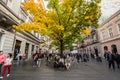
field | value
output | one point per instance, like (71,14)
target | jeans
(35,63)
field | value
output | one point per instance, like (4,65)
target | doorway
(17,48)
(27,49)
(114,49)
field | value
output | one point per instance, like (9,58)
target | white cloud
(109,7)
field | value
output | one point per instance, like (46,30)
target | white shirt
(8,61)
(18,56)
(61,60)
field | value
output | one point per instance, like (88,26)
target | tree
(64,21)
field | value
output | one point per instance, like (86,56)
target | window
(103,35)
(110,32)
(24,0)
(5,1)
(9,3)
(119,27)
(23,16)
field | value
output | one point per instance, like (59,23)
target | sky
(108,8)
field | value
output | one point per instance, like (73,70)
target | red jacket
(2,58)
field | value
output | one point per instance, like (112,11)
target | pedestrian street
(83,71)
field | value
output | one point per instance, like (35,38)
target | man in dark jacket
(117,59)
(111,59)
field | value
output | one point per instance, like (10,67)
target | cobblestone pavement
(83,71)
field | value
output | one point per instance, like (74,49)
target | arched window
(114,48)
(105,48)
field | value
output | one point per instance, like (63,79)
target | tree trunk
(61,47)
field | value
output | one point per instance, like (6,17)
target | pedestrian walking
(24,56)
(68,62)
(105,55)
(40,56)
(19,57)
(7,65)
(2,59)
(35,59)
(111,59)
(117,60)
(99,58)
(78,58)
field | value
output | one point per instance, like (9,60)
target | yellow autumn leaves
(61,28)
(62,17)
(85,31)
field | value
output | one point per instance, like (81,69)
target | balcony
(94,41)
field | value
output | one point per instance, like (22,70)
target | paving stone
(83,71)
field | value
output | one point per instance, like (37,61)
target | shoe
(8,75)
(1,77)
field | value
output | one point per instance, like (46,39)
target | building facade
(90,43)
(12,41)
(109,34)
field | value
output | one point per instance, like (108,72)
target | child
(7,64)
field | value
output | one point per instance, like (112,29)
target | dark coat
(113,57)
(117,57)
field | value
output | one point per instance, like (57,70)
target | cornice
(5,8)
(110,18)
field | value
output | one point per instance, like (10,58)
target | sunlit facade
(109,34)
(12,41)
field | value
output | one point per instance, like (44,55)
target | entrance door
(26,49)
(105,48)
(96,51)
(114,49)
(32,50)
(17,48)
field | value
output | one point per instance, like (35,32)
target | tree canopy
(64,21)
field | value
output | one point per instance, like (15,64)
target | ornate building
(12,41)
(90,44)
(109,33)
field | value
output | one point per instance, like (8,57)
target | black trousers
(118,64)
(111,63)
(0,69)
